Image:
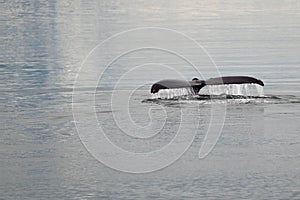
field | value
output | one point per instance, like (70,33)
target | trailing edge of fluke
(197,84)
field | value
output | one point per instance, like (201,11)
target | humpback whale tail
(197,84)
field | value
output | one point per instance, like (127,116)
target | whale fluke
(197,84)
(233,80)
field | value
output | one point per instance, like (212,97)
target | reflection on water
(43,44)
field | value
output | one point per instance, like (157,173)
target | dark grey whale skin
(197,84)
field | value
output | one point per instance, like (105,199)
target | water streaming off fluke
(247,90)
(172,93)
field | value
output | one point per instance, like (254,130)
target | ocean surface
(78,121)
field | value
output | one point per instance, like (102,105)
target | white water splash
(171,93)
(233,89)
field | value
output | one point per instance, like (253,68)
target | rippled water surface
(44,44)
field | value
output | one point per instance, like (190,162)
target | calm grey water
(43,44)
